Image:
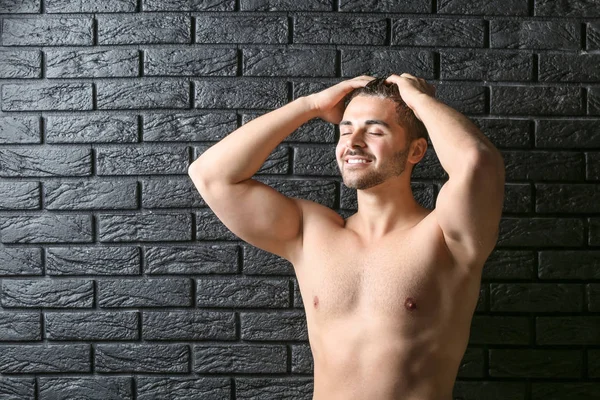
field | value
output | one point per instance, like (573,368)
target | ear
(418,149)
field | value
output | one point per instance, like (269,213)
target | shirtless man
(389,293)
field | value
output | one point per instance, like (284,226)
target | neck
(384,208)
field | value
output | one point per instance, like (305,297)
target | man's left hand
(411,88)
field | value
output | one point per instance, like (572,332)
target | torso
(388,321)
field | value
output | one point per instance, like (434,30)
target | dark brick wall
(108,255)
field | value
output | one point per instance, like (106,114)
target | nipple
(410,304)
(316,301)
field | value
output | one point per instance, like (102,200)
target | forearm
(454,137)
(240,154)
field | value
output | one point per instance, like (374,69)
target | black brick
(288,62)
(150,388)
(278,325)
(20,64)
(544,165)
(537,35)
(536,363)
(190,62)
(17,388)
(538,232)
(556,100)
(20,6)
(97,388)
(15,326)
(185,325)
(509,264)
(20,196)
(488,65)
(96,195)
(536,297)
(197,259)
(240,93)
(91,129)
(144,358)
(184,127)
(248,29)
(145,293)
(483,7)
(567,198)
(132,160)
(143,95)
(580,330)
(44,161)
(109,260)
(71,293)
(82,6)
(567,8)
(142,29)
(238,358)
(47,228)
(568,264)
(569,68)
(185,5)
(92,325)
(144,227)
(20,129)
(53,97)
(563,133)
(386,62)
(63,31)
(20,261)
(437,32)
(236,292)
(340,30)
(45,358)
(91,63)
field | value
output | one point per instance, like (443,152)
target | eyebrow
(368,122)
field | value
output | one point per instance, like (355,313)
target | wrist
(421,100)
(309,104)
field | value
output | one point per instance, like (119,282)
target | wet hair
(406,118)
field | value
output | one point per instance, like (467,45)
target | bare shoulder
(315,215)
(316,218)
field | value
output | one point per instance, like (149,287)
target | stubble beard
(368,176)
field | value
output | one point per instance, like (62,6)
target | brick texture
(118,282)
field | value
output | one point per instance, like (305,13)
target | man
(390,292)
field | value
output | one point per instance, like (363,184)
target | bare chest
(405,283)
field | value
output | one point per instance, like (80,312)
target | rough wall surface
(116,280)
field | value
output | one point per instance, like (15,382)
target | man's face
(385,145)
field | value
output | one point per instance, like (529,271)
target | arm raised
(469,208)
(253,211)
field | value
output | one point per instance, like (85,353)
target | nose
(355,139)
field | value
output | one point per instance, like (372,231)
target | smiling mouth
(358,163)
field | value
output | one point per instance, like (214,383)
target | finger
(364,77)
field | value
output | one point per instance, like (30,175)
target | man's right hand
(329,103)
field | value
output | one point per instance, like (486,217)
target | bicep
(469,208)
(256,213)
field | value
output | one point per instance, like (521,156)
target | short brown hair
(378,87)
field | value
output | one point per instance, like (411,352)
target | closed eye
(372,133)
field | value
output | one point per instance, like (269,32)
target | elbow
(489,165)
(197,172)
(487,157)
(193,168)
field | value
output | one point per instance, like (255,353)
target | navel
(410,304)
(316,302)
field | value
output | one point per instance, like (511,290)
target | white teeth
(357,161)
